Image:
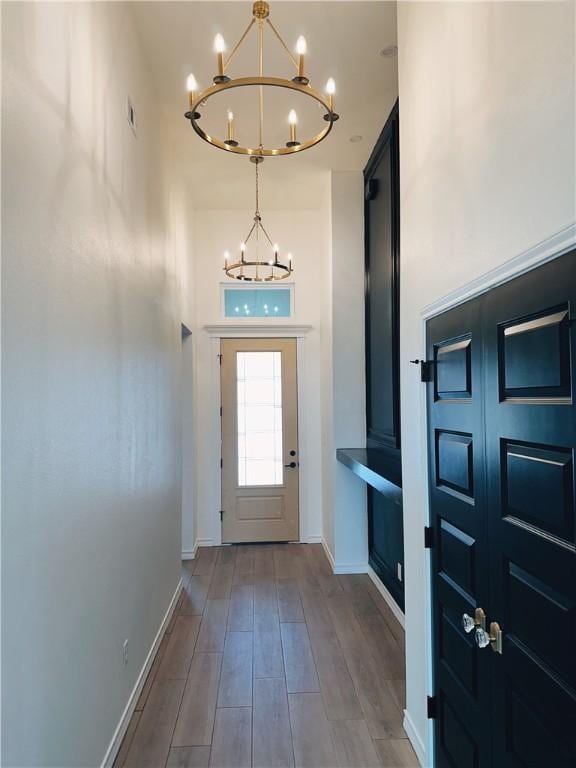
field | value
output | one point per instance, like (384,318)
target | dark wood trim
(389,136)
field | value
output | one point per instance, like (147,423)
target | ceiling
(344,41)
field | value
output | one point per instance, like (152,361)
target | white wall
(91,377)
(215,231)
(344,390)
(487,171)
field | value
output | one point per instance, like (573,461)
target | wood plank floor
(272,661)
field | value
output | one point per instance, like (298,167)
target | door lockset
(478,620)
(493,638)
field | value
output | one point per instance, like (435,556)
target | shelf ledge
(375,468)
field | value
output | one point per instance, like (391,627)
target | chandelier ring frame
(232,271)
(193,115)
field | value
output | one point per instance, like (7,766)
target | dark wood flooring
(271,661)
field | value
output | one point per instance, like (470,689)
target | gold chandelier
(258,269)
(223,82)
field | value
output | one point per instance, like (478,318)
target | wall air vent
(131,115)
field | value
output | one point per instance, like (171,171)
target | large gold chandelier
(223,82)
(258,268)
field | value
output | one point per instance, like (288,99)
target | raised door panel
(460,559)
(530,448)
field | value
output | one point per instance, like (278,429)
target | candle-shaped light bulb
(226,257)
(220,47)
(230,125)
(301,51)
(191,87)
(330,90)
(242,250)
(292,120)
(290,261)
(191,84)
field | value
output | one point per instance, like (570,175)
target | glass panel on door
(259,391)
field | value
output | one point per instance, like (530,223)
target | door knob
(291,465)
(493,638)
(469,622)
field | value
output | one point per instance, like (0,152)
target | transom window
(257,302)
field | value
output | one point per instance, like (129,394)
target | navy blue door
(460,553)
(530,342)
(502,444)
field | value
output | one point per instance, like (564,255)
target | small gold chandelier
(223,82)
(258,269)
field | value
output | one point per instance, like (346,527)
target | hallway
(288,272)
(271,660)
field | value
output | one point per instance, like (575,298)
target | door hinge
(220,411)
(428,537)
(432,707)
(219,358)
(426,369)
(221,463)
(221,514)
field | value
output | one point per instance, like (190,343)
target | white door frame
(556,245)
(259,331)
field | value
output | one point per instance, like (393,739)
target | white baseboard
(204,543)
(122,726)
(416,740)
(351,568)
(392,604)
(338,568)
(190,554)
(328,553)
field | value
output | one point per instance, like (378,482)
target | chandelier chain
(261,46)
(288,51)
(257,192)
(258,268)
(238,44)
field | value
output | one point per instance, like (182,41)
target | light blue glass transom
(257,303)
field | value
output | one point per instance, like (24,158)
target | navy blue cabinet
(382,222)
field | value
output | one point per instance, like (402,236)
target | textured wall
(91,376)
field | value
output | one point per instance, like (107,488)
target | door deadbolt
(469,622)
(493,638)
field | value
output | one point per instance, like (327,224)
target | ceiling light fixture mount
(258,270)
(222,81)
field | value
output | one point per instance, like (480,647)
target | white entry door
(259,440)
